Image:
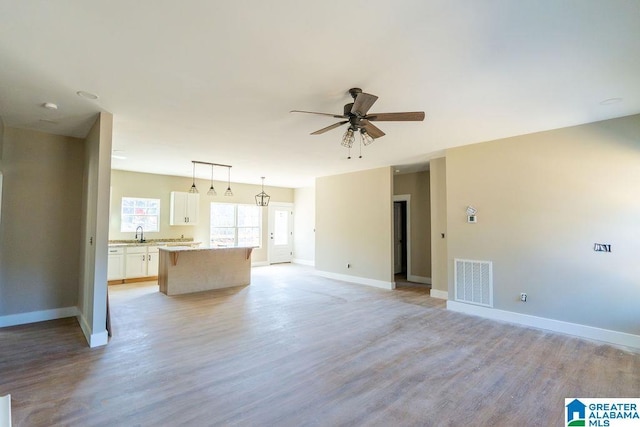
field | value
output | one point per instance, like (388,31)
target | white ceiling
(214,81)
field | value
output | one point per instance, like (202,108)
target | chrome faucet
(141,234)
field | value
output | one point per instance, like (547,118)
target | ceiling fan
(357,114)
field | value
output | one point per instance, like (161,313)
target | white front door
(280,233)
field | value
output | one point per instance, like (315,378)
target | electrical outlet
(523,297)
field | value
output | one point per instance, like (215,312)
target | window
(235,225)
(140,212)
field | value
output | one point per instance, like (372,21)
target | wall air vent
(474,282)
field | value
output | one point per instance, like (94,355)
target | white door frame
(269,223)
(405,198)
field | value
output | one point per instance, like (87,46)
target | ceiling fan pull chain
(360,156)
(349,156)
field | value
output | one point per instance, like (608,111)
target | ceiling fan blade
(328,128)
(362,103)
(372,130)
(322,114)
(414,116)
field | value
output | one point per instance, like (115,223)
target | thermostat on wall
(471,214)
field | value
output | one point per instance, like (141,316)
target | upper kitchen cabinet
(184,208)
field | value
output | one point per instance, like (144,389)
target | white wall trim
(37,316)
(311,263)
(436,293)
(583,331)
(94,340)
(419,279)
(355,279)
(259,264)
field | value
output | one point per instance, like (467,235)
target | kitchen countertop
(153,242)
(180,248)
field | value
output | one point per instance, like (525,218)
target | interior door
(280,233)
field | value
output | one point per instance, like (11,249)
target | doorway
(280,233)
(401,262)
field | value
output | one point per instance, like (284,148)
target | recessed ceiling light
(397,170)
(610,101)
(50,106)
(87,95)
(116,156)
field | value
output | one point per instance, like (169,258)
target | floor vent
(474,282)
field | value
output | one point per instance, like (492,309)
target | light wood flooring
(294,349)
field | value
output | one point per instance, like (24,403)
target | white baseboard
(436,293)
(260,264)
(5,410)
(419,279)
(94,340)
(583,331)
(356,279)
(37,316)
(304,262)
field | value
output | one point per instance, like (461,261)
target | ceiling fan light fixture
(366,138)
(348,138)
(356,113)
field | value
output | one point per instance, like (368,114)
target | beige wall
(1,140)
(543,200)
(304,217)
(134,184)
(354,224)
(417,185)
(92,286)
(41,217)
(1,169)
(439,280)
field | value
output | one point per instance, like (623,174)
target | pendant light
(193,188)
(262,199)
(212,191)
(228,192)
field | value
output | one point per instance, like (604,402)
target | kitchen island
(185,270)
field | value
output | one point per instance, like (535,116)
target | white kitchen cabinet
(152,260)
(133,262)
(184,208)
(136,264)
(115,264)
